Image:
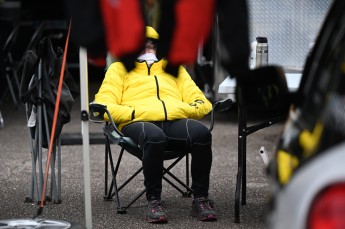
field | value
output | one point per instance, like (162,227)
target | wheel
(39,223)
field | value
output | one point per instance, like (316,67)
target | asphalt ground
(16,166)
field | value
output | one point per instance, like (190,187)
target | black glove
(264,87)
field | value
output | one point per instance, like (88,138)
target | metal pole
(84,98)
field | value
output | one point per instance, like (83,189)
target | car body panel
(293,202)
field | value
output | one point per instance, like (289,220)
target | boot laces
(205,204)
(156,206)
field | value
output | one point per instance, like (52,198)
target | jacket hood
(151,33)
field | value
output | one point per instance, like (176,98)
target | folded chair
(38,92)
(126,144)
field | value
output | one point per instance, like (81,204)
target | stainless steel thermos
(261,51)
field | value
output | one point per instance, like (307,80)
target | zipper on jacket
(148,68)
(165,110)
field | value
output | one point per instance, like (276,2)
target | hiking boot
(203,209)
(156,213)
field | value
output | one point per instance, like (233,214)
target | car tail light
(328,208)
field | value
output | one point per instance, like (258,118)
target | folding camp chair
(38,92)
(22,38)
(113,135)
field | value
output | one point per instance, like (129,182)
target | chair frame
(113,135)
(11,66)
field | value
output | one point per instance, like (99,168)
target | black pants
(185,134)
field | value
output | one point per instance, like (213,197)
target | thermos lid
(261,39)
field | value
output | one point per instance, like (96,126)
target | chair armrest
(220,106)
(97,112)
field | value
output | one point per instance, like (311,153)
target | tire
(39,223)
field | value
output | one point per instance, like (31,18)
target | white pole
(84,101)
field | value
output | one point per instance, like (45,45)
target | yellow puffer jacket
(150,94)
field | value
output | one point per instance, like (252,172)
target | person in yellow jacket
(159,111)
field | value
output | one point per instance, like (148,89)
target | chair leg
(240,165)
(106,172)
(188,191)
(39,146)
(59,199)
(16,80)
(33,182)
(49,197)
(14,70)
(187,170)
(36,165)
(107,193)
(187,176)
(112,191)
(135,199)
(54,178)
(119,208)
(30,197)
(10,87)
(130,178)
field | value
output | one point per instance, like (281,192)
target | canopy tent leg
(84,98)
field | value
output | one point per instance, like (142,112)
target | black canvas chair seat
(115,137)
(132,147)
